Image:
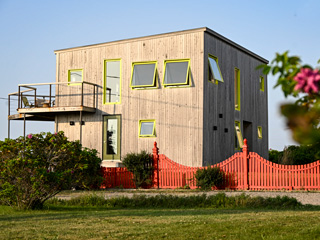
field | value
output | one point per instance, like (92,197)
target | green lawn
(99,223)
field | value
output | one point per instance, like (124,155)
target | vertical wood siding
(219,99)
(177,111)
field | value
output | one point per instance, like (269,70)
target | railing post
(82,94)
(245,165)
(19,98)
(155,165)
(94,96)
(50,97)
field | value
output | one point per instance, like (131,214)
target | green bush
(140,165)
(36,169)
(209,177)
(219,200)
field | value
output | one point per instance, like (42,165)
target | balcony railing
(42,97)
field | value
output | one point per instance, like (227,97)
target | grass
(72,222)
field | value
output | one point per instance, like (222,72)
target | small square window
(75,75)
(147,128)
(214,70)
(261,83)
(176,73)
(143,74)
(238,136)
(259,132)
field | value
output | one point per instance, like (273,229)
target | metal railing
(57,94)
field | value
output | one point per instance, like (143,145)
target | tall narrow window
(261,83)
(75,75)
(112,82)
(176,73)
(237,89)
(111,137)
(214,70)
(147,128)
(259,132)
(238,136)
(144,75)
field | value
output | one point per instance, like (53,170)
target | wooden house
(195,92)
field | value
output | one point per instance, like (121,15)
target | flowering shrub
(303,83)
(34,169)
(307,80)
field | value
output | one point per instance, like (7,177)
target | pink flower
(307,80)
(29,136)
(55,133)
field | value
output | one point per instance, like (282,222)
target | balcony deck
(47,113)
(58,98)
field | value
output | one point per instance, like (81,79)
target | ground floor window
(147,128)
(111,137)
(238,136)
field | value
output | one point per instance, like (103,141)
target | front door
(111,137)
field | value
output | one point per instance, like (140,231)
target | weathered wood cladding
(219,99)
(178,111)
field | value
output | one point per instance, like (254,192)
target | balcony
(43,101)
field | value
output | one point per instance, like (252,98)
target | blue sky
(31,30)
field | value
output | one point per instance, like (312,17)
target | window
(147,128)
(259,132)
(261,83)
(237,89)
(214,70)
(238,136)
(143,75)
(112,82)
(176,73)
(111,137)
(75,75)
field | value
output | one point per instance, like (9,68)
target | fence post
(155,151)
(245,165)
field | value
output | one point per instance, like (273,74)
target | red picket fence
(247,171)
(267,175)
(117,177)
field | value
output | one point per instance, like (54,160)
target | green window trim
(105,82)
(238,136)
(237,90)
(261,83)
(186,83)
(151,133)
(213,66)
(155,74)
(70,73)
(259,132)
(111,146)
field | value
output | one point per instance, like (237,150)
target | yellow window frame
(154,83)
(237,102)
(238,135)
(210,69)
(105,81)
(172,85)
(153,130)
(259,132)
(261,83)
(69,76)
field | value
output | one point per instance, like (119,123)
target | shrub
(209,177)
(140,165)
(36,169)
(220,200)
